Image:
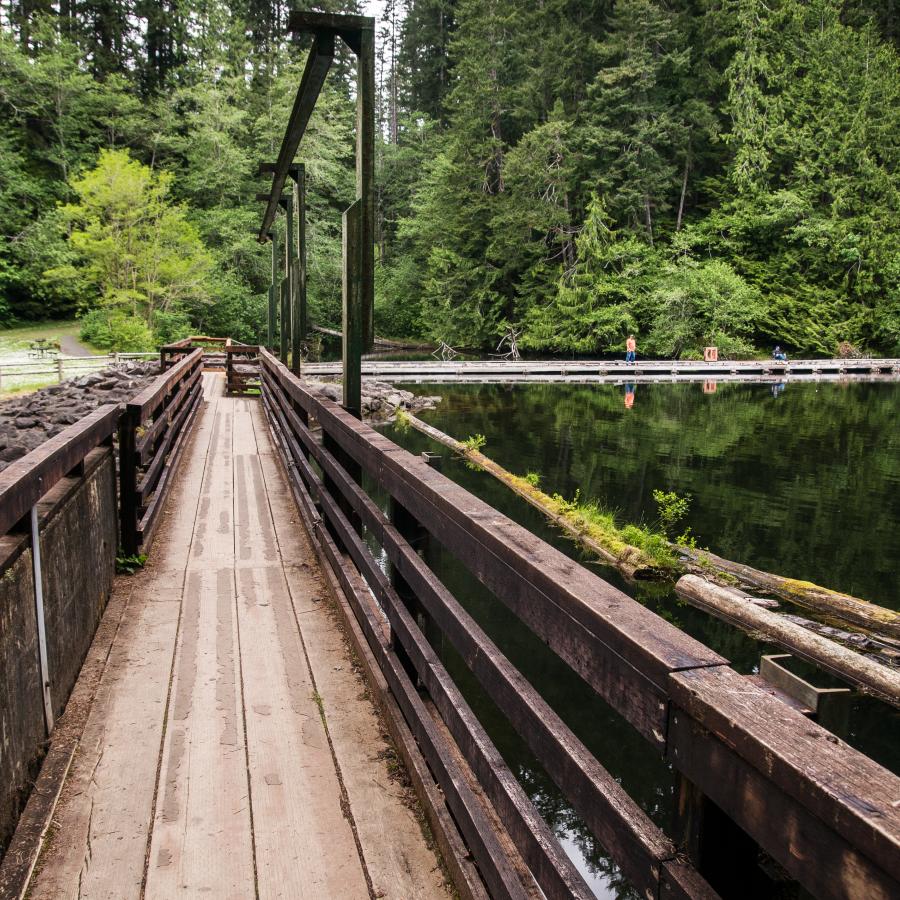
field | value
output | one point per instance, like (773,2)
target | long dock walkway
(616,371)
(230,749)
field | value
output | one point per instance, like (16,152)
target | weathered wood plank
(854,797)
(26,480)
(202,828)
(148,400)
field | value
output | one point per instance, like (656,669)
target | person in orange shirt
(630,348)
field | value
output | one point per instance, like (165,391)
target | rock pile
(380,400)
(31,419)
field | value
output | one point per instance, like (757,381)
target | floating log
(831,604)
(738,609)
(631,561)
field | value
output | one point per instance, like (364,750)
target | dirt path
(69,345)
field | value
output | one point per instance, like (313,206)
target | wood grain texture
(217,759)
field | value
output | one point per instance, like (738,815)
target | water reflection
(788,486)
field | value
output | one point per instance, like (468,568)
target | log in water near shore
(834,605)
(634,563)
(631,561)
(737,608)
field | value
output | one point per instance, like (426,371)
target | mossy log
(827,603)
(832,606)
(738,609)
(630,561)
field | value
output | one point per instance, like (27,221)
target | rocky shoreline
(29,420)
(380,399)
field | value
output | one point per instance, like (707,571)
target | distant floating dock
(499,370)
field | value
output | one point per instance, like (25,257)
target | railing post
(416,536)
(39,616)
(128,499)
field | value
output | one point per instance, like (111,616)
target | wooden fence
(57,562)
(59,368)
(748,764)
(152,434)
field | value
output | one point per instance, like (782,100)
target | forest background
(692,171)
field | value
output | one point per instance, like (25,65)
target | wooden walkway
(229,748)
(616,371)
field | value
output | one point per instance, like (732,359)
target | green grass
(29,388)
(22,336)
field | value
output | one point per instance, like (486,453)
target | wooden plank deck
(230,749)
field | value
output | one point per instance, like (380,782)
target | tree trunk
(684,184)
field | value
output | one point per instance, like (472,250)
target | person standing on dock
(630,349)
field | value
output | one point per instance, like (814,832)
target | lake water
(801,480)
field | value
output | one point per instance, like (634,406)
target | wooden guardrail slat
(827,813)
(25,481)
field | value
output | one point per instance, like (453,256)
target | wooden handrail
(152,397)
(824,811)
(26,480)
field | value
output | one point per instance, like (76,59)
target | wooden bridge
(261,710)
(219,740)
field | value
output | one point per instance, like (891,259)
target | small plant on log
(672,509)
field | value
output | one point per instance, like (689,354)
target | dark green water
(803,482)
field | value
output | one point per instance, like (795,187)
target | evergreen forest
(689,171)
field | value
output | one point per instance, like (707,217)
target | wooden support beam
(318,63)
(295,223)
(352,295)
(302,311)
(365,176)
(273,294)
(284,333)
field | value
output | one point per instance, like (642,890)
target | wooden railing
(169,354)
(152,434)
(57,563)
(822,810)
(241,368)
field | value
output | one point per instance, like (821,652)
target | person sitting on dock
(630,349)
(779,354)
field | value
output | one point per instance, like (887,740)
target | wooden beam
(304,20)
(352,295)
(26,480)
(365,177)
(318,63)
(283,331)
